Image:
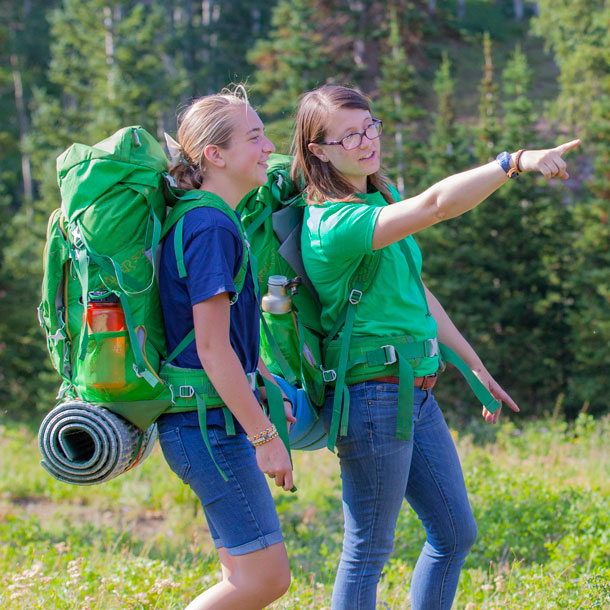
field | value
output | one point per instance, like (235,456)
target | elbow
(208,353)
(437,206)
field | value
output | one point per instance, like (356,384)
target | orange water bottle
(105,315)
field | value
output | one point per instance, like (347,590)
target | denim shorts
(240,512)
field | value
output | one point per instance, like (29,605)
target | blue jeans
(240,512)
(378,471)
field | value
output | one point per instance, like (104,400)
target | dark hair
(207,120)
(322,180)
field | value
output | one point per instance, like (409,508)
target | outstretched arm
(451,336)
(211,318)
(459,193)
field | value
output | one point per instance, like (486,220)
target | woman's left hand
(498,393)
(290,418)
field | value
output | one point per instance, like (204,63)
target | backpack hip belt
(368,357)
(191,389)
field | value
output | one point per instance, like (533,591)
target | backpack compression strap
(191,200)
(480,391)
(379,351)
(359,282)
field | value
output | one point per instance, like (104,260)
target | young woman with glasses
(353,211)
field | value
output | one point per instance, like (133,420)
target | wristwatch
(503,160)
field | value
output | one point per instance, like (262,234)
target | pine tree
(296,57)
(397,104)
(447,151)
(578,32)
(488,125)
(505,285)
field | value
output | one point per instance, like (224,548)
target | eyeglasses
(353,140)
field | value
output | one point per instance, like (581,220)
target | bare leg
(226,563)
(253,581)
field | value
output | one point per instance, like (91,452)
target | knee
(277,582)
(467,535)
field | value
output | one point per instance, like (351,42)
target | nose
(364,141)
(268,146)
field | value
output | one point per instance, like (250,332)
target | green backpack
(100,307)
(100,245)
(293,345)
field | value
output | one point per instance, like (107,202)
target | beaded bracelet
(268,434)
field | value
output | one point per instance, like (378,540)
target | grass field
(540,495)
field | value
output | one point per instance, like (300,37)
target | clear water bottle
(105,315)
(278,299)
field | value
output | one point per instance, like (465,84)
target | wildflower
(165,583)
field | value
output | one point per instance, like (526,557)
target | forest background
(526,275)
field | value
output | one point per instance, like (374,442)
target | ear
(214,155)
(318,151)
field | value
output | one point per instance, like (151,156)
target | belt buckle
(433,347)
(392,354)
(186,391)
(425,381)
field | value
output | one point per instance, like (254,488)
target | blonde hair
(207,120)
(323,182)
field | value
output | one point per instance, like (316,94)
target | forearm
(446,199)
(228,377)
(449,334)
(266,373)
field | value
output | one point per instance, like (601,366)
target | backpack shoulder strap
(185,202)
(190,200)
(358,283)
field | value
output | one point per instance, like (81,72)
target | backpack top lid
(85,173)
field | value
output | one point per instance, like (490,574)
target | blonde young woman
(222,149)
(352,212)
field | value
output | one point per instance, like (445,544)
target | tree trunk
(108,25)
(461,9)
(22,119)
(518,7)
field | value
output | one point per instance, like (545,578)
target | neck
(359,184)
(229,193)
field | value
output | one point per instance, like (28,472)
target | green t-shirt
(335,237)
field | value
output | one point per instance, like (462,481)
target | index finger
(288,482)
(563,148)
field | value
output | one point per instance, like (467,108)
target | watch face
(503,160)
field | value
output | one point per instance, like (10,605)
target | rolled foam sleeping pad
(84,444)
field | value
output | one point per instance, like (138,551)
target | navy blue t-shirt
(213,252)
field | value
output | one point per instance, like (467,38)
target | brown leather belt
(423,383)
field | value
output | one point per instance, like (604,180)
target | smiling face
(354,165)
(248,151)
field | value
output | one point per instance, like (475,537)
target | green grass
(540,494)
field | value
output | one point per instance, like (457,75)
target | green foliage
(579,35)
(397,104)
(447,151)
(532,262)
(578,32)
(295,59)
(539,494)
(488,129)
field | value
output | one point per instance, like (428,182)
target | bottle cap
(277,280)
(103,296)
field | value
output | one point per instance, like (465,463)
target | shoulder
(394,193)
(206,218)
